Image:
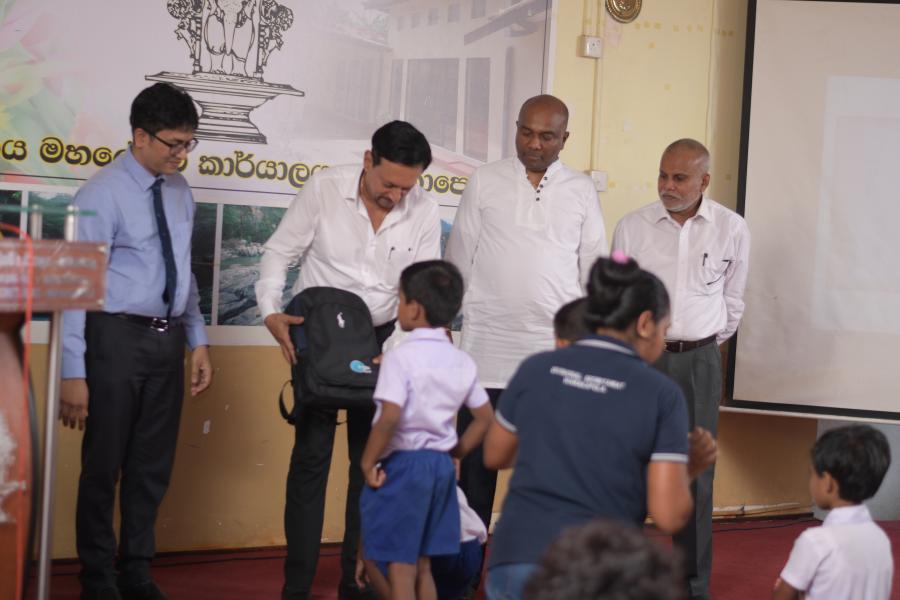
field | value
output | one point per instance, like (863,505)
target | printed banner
(285,88)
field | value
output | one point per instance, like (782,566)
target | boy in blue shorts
(453,574)
(409,507)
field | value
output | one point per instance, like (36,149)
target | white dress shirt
(702,263)
(849,556)
(523,253)
(430,379)
(327,228)
(470,524)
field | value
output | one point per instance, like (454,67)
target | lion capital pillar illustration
(230,42)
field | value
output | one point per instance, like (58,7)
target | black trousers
(477,481)
(135,379)
(307,481)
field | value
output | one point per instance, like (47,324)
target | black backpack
(335,346)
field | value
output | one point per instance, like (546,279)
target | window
(396,88)
(478,108)
(434,16)
(453,13)
(355,85)
(431,90)
(415,20)
(479,8)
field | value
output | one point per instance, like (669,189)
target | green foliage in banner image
(203,252)
(244,231)
(11,198)
(251,224)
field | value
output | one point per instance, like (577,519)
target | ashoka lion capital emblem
(230,42)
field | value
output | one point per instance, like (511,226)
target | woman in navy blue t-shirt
(592,430)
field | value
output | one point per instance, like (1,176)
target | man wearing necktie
(123,369)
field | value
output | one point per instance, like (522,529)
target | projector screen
(820,189)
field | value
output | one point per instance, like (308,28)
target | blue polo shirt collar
(605,342)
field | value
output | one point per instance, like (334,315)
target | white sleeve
(806,556)
(428,246)
(463,240)
(290,241)
(736,282)
(392,385)
(619,240)
(593,237)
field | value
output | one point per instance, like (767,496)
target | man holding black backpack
(354,230)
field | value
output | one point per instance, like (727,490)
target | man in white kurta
(700,250)
(355,229)
(527,231)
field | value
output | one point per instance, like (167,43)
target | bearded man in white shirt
(526,234)
(354,229)
(699,249)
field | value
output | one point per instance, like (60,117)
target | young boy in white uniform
(849,556)
(409,507)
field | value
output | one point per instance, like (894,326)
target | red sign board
(64,275)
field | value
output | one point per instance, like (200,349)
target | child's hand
(702,451)
(375,476)
(361,580)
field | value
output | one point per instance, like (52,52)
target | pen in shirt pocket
(391,251)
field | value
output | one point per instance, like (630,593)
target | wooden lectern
(51,276)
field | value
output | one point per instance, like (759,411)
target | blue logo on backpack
(358,366)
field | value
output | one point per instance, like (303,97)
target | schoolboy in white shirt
(409,507)
(849,556)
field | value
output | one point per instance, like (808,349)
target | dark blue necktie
(166,242)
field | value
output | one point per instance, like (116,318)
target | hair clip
(620,257)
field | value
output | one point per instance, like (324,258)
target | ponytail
(619,291)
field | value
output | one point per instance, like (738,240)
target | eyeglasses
(176,147)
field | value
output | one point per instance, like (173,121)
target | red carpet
(748,557)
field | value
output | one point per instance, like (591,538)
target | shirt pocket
(397,258)
(714,267)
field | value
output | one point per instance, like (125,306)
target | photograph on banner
(244,231)
(13,200)
(203,254)
(54,203)
(284,89)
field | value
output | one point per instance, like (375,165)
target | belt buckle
(160,325)
(675,346)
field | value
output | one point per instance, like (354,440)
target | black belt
(682,346)
(155,323)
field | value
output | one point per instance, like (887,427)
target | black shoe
(146,590)
(469,594)
(287,594)
(347,591)
(106,592)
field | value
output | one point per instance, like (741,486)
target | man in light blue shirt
(123,369)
